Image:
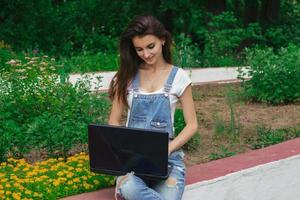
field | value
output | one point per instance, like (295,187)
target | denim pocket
(158,124)
(139,118)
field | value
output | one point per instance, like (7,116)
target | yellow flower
(61,164)
(10,165)
(60,159)
(96,182)
(86,185)
(35,194)
(3,164)
(38,179)
(56,182)
(21,187)
(28,192)
(31,174)
(70,174)
(43,170)
(26,180)
(61,173)
(17,184)
(53,168)
(78,170)
(76,180)
(16,195)
(26,169)
(11,160)
(44,177)
(70,182)
(62,179)
(7,185)
(70,168)
(8,192)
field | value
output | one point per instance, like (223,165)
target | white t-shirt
(181,81)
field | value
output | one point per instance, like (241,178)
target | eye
(151,46)
(138,49)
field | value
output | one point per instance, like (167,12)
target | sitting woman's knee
(126,185)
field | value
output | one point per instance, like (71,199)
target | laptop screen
(118,150)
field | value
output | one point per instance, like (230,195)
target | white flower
(31,62)
(11,62)
(20,70)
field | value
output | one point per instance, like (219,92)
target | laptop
(116,150)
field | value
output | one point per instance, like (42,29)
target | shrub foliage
(40,110)
(179,124)
(275,77)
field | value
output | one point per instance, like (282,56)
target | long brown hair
(129,60)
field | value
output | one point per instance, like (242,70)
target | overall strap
(168,84)
(136,82)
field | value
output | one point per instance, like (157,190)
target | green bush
(39,110)
(223,152)
(5,53)
(275,77)
(267,136)
(186,53)
(179,124)
(91,62)
(225,37)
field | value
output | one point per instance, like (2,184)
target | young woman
(148,85)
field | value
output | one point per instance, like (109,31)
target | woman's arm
(190,119)
(116,112)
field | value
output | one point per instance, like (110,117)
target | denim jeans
(134,188)
(153,111)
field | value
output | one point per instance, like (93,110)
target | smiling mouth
(149,59)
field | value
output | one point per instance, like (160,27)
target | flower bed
(50,179)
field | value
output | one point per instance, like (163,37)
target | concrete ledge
(278,180)
(104,194)
(239,162)
(198,76)
(211,173)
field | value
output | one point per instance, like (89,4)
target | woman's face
(148,48)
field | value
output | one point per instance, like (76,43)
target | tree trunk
(270,11)
(216,6)
(251,11)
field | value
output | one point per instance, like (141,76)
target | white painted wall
(198,76)
(279,180)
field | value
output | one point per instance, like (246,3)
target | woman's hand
(169,151)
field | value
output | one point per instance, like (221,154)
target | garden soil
(212,104)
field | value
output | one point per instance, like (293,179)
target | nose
(146,54)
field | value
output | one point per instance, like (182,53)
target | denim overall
(153,111)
